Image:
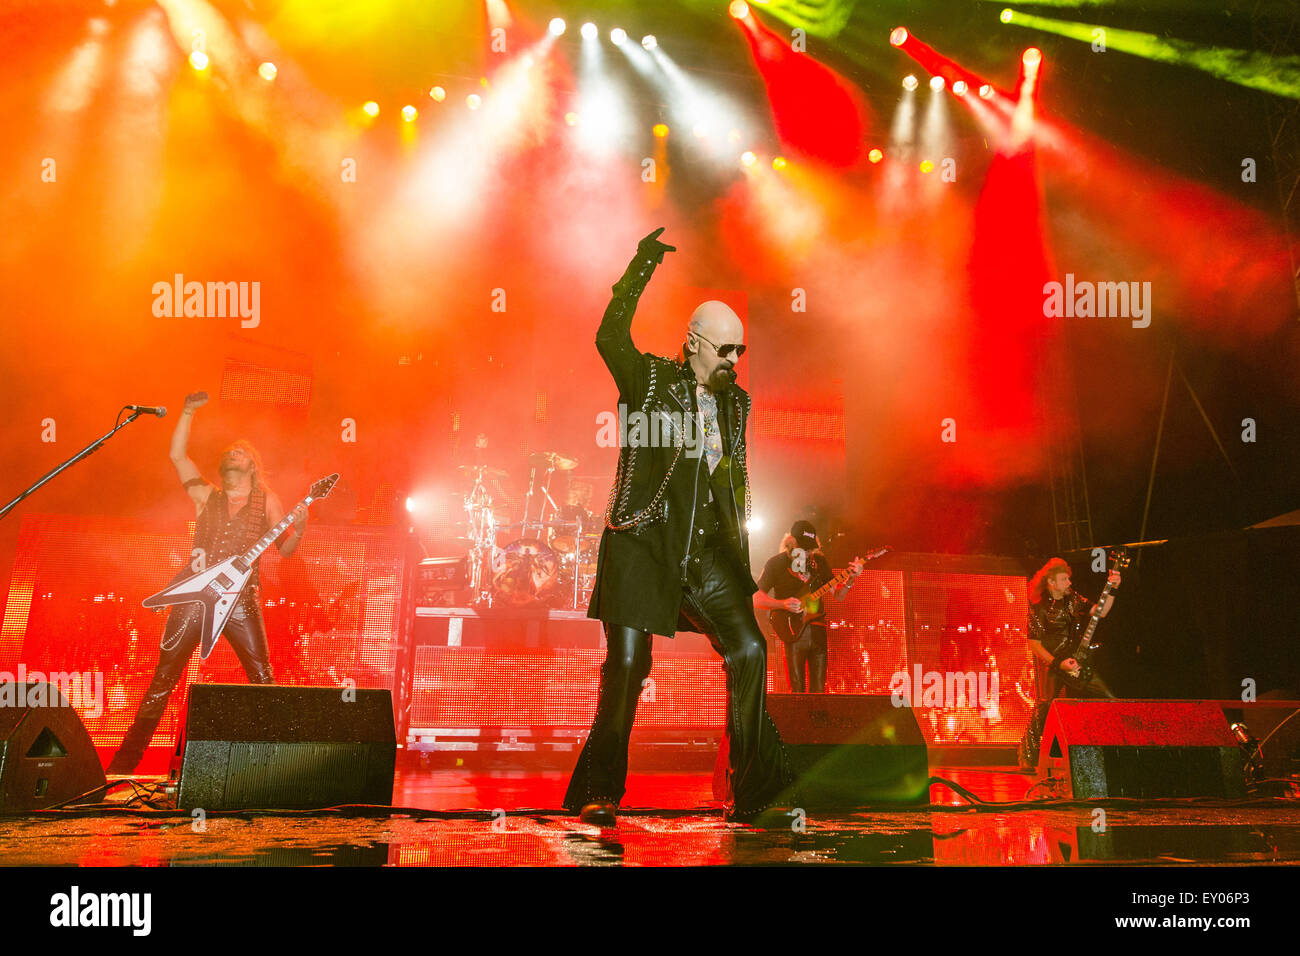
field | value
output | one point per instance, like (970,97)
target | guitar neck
(266,540)
(1096,615)
(831,584)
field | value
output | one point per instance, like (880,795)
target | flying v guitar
(218,588)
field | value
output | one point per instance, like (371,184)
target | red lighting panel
(74,605)
(966,623)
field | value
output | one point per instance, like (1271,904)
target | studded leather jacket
(663,485)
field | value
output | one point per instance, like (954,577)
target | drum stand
(482,523)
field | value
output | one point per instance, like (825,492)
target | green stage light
(1279,75)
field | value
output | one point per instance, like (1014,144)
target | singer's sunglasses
(722,350)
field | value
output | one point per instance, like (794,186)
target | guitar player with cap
(799,568)
(1057,615)
(231,517)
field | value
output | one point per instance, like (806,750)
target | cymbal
(554,460)
(486,471)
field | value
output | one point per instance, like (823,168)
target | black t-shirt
(783,581)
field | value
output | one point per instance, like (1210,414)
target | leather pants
(1052,688)
(805,660)
(715,602)
(247,636)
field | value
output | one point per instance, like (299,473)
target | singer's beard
(722,376)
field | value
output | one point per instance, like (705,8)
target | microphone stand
(93,446)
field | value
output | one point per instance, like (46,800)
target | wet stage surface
(461,818)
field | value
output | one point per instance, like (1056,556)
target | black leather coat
(661,485)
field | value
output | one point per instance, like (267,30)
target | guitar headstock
(861,560)
(1118,560)
(323,487)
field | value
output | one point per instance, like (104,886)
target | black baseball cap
(804,534)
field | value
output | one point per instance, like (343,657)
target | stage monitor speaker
(46,756)
(1141,748)
(262,746)
(846,751)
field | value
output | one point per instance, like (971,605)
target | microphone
(159,410)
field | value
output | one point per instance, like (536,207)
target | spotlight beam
(1279,75)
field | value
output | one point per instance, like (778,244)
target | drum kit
(548,559)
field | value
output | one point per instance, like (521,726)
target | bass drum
(526,572)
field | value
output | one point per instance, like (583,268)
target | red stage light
(738,9)
(898,36)
(1032,57)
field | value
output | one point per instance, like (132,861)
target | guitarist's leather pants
(1050,688)
(805,660)
(245,633)
(715,602)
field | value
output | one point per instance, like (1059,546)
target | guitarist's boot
(138,735)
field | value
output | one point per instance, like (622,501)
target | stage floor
(464,818)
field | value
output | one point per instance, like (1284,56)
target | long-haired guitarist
(231,517)
(799,569)
(1057,617)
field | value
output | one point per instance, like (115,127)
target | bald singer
(674,554)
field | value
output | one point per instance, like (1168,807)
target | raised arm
(195,486)
(614,337)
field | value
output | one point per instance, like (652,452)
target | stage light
(875,155)
(660,130)
(1006,15)
(959,88)
(267,71)
(409,113)
(986,92)
(936,83)
(909,83)
(733,136)
(199,60)
(438,94)
(473,101)
(411,505)
(571,118)
(779,162)
(557,27)
(738,9)
(748,158)
(649,42)
(755,523)
(589,31)
(1032,57)
(618,36)
(371,108)
(898,36)
(926,166)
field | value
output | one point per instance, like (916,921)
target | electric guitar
(790,624)
(1119,561)
(218,587)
